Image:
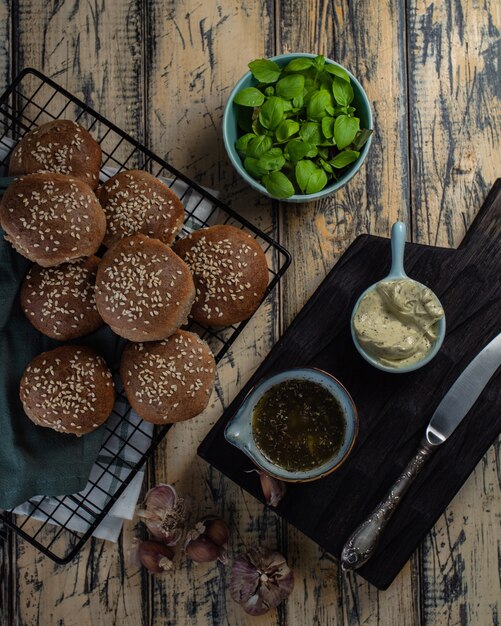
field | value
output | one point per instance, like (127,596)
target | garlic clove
(202,550)
(155,556)
(273,489)
(216,530)
(260,580)
(208,540)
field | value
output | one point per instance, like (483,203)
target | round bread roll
(143,290)
(168,381)
(60,301)
(69,389)
(60,146)
(137,202)
(52,218)
(230,273)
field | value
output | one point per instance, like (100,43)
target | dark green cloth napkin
(36,460)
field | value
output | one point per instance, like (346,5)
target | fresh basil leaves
(343,91)
(345,130)
(265,71)
(291,86)
(300,125)
(285,130)
(278,185)
(310,178)
(250,97)
(272,112)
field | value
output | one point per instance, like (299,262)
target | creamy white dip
(396,322)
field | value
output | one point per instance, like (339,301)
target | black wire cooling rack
(31,100)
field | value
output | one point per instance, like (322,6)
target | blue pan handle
(398,233)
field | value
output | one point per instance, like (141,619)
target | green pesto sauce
(298,425)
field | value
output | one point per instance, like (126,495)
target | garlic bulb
(154,555)
(163,513)
(260,580)
(207,541)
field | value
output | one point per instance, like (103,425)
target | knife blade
(463,394)
(450,412)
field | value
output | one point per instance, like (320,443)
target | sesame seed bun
(60,146)
(52,218)
(143,290)
(168,381)
(137,202)
(69,389)
(59,301)
(230,273)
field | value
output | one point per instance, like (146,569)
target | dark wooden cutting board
(394,409)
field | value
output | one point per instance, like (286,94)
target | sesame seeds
(62,297)
(52,147)
(164,375)
(137,202)
(64,393)
(133,285)
(141,290)
(222,272)
(53,158)
(48,214)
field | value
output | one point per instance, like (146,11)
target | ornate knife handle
(362,543)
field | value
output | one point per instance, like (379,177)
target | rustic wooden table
(162,70)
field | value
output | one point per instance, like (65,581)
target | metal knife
(453,407)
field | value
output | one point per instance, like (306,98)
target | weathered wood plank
(455,114)
(193,62)
(194,59)
(368,39)
(93,49)
(461,580)
(5,44)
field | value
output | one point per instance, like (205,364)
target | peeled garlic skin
(260,580)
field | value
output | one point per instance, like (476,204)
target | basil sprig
(299,126)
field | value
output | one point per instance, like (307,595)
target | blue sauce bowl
(397,271)
(231,131)
(238,431)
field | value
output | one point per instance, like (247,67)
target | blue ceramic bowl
(397,271)
(239,429)
(231,131)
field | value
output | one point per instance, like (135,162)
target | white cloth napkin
(115,459)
